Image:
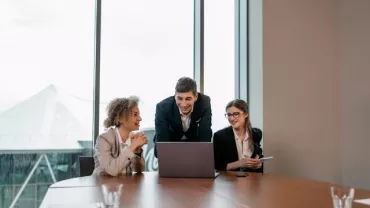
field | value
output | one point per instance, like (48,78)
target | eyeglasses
(234,115)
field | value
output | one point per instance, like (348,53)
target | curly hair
(118,108)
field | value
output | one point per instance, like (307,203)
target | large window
(47,72)
(146,46)
(219,57)
(46,67)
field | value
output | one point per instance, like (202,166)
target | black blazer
(225,150)
(168,125)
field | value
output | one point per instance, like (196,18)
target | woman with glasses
(237,147)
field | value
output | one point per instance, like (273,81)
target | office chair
(87,165)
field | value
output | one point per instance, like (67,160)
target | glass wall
(219,57)
(47,72)
(46,67)
(146,46)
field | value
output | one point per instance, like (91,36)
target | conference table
(147,189)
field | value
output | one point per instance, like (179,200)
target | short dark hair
(186,84)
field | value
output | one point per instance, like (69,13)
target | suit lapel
(195,114)
(176,115)
(116,150)
(255,145)
(232,144)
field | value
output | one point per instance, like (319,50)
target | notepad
(363,201)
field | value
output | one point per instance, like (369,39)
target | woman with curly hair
(118,150)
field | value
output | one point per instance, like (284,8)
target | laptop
(186,159)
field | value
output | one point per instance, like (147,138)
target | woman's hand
(258,164)
(137,141)
(249,162)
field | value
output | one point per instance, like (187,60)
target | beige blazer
(112,159)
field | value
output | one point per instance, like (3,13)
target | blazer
(111,159)
(168,125)
(225,150)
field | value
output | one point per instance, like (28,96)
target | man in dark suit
(185,117)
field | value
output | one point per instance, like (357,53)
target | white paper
(363,201)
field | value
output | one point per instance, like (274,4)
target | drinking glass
(342,196)
(112,194)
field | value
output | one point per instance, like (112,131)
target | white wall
(355,92)
(316,89)
(301,88)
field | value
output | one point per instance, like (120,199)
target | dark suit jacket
(225,150)
(168,125)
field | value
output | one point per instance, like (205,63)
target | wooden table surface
(227,190)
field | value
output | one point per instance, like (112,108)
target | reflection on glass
(46,67)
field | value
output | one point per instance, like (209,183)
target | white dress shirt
(242,145)
(185,120)
(124,145)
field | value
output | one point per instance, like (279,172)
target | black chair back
(87,165)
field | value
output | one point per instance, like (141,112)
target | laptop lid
(185,159)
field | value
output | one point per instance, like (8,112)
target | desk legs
(43,155)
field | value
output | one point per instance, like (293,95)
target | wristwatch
(139,153)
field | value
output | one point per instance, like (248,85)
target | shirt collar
(182,114)
(237,138)
(128,140)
